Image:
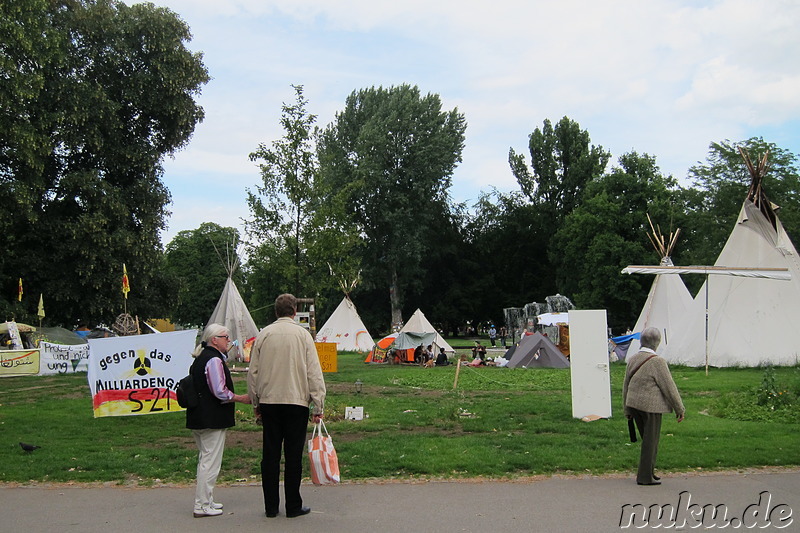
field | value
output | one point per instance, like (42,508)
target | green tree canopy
(607,232)
(98,93)
(562,162)
(198,262)
(390,155)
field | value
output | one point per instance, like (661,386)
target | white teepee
(751,320)
(668,301)
(419,324)
(345,328)
(232,313)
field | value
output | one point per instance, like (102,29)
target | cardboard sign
(326,351)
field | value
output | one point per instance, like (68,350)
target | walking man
(284,380)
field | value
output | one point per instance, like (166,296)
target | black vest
(211,413)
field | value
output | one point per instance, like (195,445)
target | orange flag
(126,286)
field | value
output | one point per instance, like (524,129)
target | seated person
(441,359)
(479,351)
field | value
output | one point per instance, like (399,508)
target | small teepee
(232,312)
(669,299)
(344,326)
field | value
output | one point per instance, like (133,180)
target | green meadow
(497,423)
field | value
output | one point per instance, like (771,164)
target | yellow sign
(22,362)
(327,356)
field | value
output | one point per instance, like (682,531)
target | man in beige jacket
(284,379)
(647,393)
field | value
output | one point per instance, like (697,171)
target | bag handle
(318,428)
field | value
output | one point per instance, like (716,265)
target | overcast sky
(663,77)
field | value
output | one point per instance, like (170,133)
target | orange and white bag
(322,456)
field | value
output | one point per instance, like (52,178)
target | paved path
(576,505)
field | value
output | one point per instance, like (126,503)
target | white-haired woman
(214,414)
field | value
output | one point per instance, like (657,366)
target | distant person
(210,420)
(503,334)
(479,351)
(647,392)
(418,355)
(284,380)
(493,336)
(441,359)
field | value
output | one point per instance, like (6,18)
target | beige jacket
(652,388)
(284,367)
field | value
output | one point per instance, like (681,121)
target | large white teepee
(345,328)
(668,301)
(232,313)
(751,321)
(419,324)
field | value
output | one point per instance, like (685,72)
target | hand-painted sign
(63,358)
(19,362)
(137,375)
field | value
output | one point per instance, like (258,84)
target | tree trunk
(394,298)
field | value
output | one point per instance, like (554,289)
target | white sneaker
(206,510)
(216,505)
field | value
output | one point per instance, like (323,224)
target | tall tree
(723,180)
(562,162)
(101,92)
(608,231)
(390,154)
(197,261)
(296,236)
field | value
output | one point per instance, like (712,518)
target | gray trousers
(649,425)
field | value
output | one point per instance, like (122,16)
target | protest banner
(19,363)
(137,374)
(62,358)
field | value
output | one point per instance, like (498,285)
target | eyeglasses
(223,337)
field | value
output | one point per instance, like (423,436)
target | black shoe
(271,514)
(651,483)
(299,512)
(656,477)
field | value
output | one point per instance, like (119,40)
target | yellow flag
(19,291)
(41,306)
(126,286)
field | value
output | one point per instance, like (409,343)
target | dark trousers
(649,425)
(284,426)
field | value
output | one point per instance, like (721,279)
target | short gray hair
(650,338)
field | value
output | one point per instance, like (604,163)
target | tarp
(536,351)
(419,324)
(551,319)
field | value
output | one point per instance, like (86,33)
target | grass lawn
(499,423)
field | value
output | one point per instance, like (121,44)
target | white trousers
(211,444)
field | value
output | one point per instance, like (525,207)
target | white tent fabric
(551,319)
(667,304)
(751,321)
(419,324)
(345,328)
(232,313)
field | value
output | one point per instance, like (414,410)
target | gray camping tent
(536,351)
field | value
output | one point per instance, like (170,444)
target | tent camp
(668,301)
(232,313)
(751,320)
(418,330)
(345,328)
(536,351)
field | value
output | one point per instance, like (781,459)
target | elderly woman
(647,393)
(214,414)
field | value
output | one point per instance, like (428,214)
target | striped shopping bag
(322,456)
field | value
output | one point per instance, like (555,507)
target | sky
(662,77)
